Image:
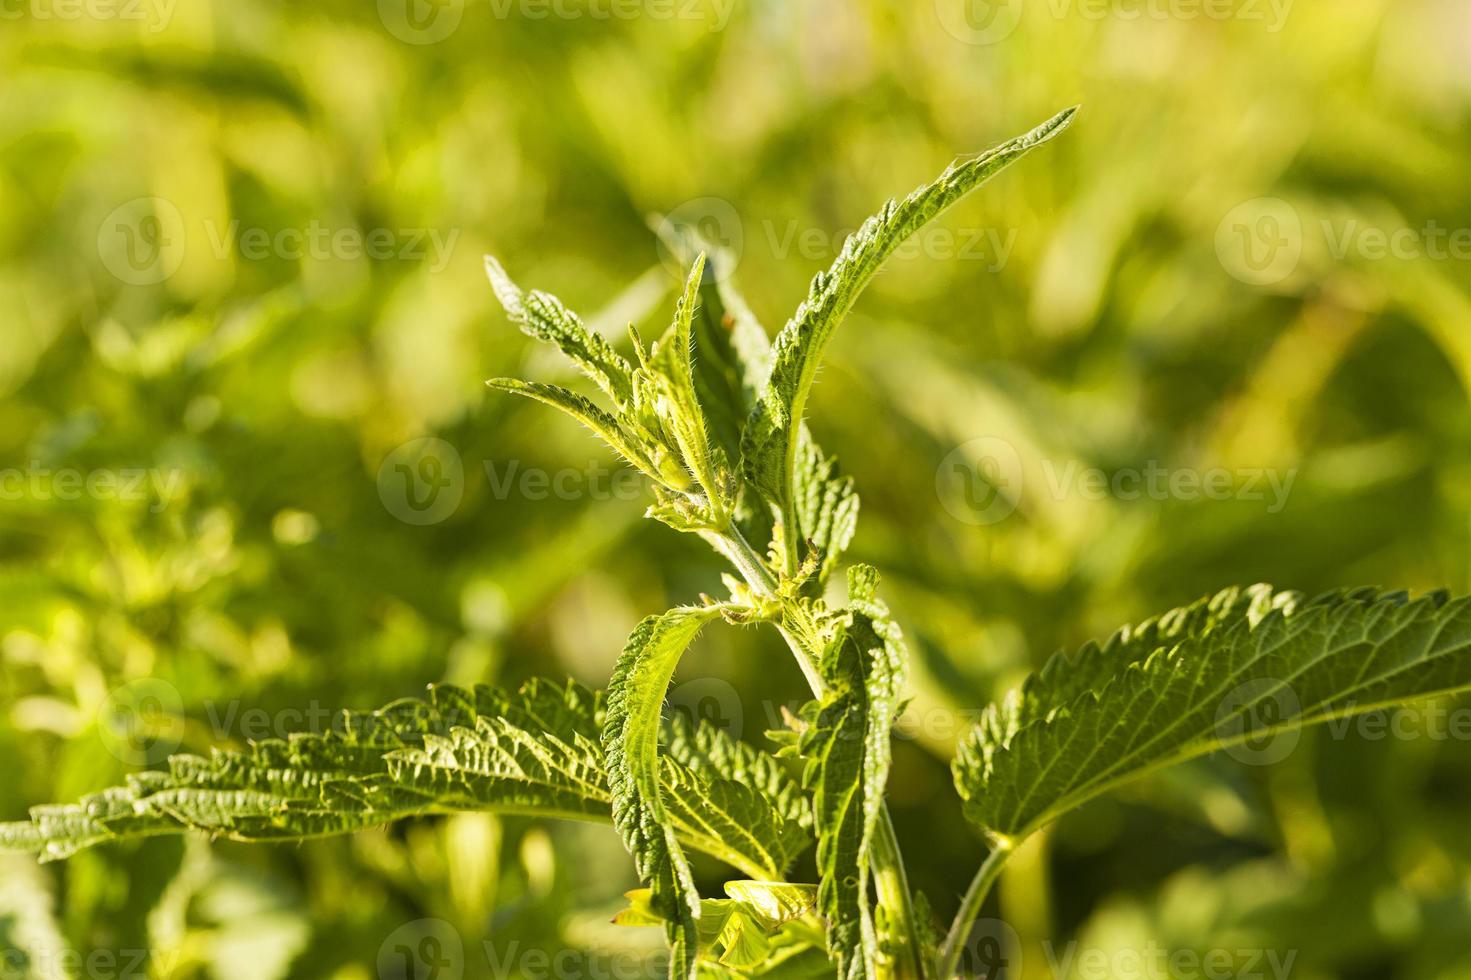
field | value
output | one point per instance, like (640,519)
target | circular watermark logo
(993,952)
(142,242)
(142,722)
(425,949)
(980,481)
(710,223)
(1258,722)
(979,21)
(710,701)
(421,21)
(422,482)
(1260,241)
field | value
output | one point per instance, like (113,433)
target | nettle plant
(713,415)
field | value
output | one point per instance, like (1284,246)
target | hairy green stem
(734,546)
(970,907)
(890,878)
(892,882)
(790,535)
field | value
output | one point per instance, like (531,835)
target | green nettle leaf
(827,507)
(846,741)
(731,368)
(1241,671)
(771,441)
(763,928)
(658,422)
(536,752)
(732,351)
(631,741)
(760,806)
(681,411)
(605,426)
(732,360)
(775,902)
(542,316)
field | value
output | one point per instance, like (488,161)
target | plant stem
(734,546)
(890,878)
(892,882)
(970,907)
(791,544)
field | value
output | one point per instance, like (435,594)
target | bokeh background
(240,262)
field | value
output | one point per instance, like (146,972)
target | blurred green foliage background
(240,253)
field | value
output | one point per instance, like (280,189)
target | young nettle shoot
(712,412)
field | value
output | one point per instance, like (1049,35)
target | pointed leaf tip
(506,291)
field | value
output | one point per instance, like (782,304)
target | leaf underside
(1236,670)
(535,752)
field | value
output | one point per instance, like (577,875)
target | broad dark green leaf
(1241,671)
(535,752)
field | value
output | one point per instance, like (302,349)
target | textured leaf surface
(604,425)
(759,809)
(771,440)
(761,929)
(681,412)
(847,743)
(1236,670)
(543,316)
(535,752)
(827,506)
(732,353)
(631,741)
(731,358)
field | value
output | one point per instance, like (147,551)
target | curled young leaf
(631,742)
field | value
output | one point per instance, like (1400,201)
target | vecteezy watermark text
(156,14)
(95,964)
(714,223)
(992,246)
(145,241)
(319,241)
(1262,241)
(422,482)
(424,22)
(591,482)
(994,952)
(981,482)
(433,948)
(993,21)
(39,482)
(1155,481)
(1154,960)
